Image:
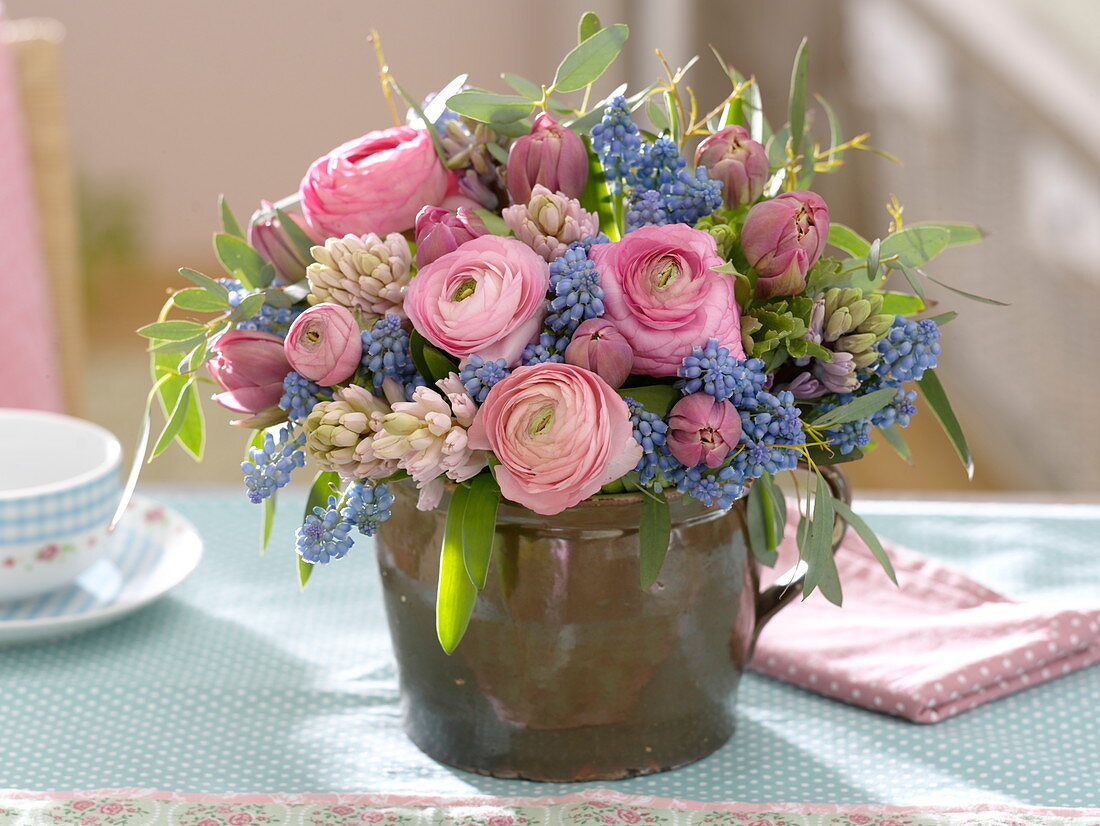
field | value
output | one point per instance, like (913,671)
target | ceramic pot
(569,670)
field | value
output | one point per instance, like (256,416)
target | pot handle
(789,585)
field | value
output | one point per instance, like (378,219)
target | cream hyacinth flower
(427,438)
(340,434)
(363,273)
(550,222)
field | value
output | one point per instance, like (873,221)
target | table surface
(240,682)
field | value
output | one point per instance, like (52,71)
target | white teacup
(59,488)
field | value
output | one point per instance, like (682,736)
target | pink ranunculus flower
(376,183)
(703,430)
(560,433)
(782,238)
(324,344)
(663,295)
(487,298)
(250,366)
(440,231)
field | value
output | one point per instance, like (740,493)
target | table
(239,682)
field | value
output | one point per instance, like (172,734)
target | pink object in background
(938,645)
(30,373)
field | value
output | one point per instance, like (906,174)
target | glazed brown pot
(569,670)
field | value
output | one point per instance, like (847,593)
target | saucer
(152,551)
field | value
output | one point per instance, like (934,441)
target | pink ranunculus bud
(662,293)
(551,155)
(439,231)
(376,183)
(324,344)
(560,433)
(269,239)
(739,162)
(598,346)
(703,430)
(782,238)
(250,367)
(487,298)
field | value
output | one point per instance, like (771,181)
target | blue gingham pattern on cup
(56,515)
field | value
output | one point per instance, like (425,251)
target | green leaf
(894,438)
(172,330)
(206,282)
(654,534)
(937,399)
(479,526)
(249,306)
(493,222)
(821,565)
(944,318)
(849,240)
(914,282)
(757,125)
(229,220)
(434,109)
(439,364)
(319,492)
(195,358)
(796,103)
(588,26)
(826,455)
(901,303)
(874,259)
(656,398)
(590,58)
(269,505)
(767,516)
(242,262)
(433,133)
(527,88)
(867,535)
(296,234)
(856,409)
(657,116)
(596,197)
(457,593)
(191,435)
(959,234)
(199,300)
(972,296)
(487,107)
(178,346)
(417,343)
(835,135)
(914,245)
(175,420)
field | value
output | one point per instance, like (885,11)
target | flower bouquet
(548,303)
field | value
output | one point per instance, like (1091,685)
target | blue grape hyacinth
(909,348)
(325,535)
(386,354)
(617,142)
(366,506)
(575,287)
(269,466)
(479,376)
(548,348)
(300,395)
(714,370)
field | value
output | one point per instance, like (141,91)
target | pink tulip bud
(703,430)
(439,232)
(269,239)
(598,346)
(782,238)
(550,155)
(739,162)
(324,344)
(250,367)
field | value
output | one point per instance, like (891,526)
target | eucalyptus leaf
(249,306)
(479,526)
(206,282)
(183,346)
(796,103)
(229,220)
(199,300)
(654,534)
(657,116)
(487,107)
(915,245)
(433,133)
(958,234)
(867,535)
(175,420)
(981,299)
(588,26)
(914,282)
(524,87)
(874,258)
(944,318)
(588,60)
(242,262)
(836,137)
(821,565)
(457,593)
(437,106)
(856,409)
(172,330)
(937,399)
(847,239)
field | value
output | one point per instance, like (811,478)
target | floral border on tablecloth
(597,807)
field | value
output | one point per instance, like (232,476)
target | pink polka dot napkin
(938,645)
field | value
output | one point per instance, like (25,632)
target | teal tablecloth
(238,682)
